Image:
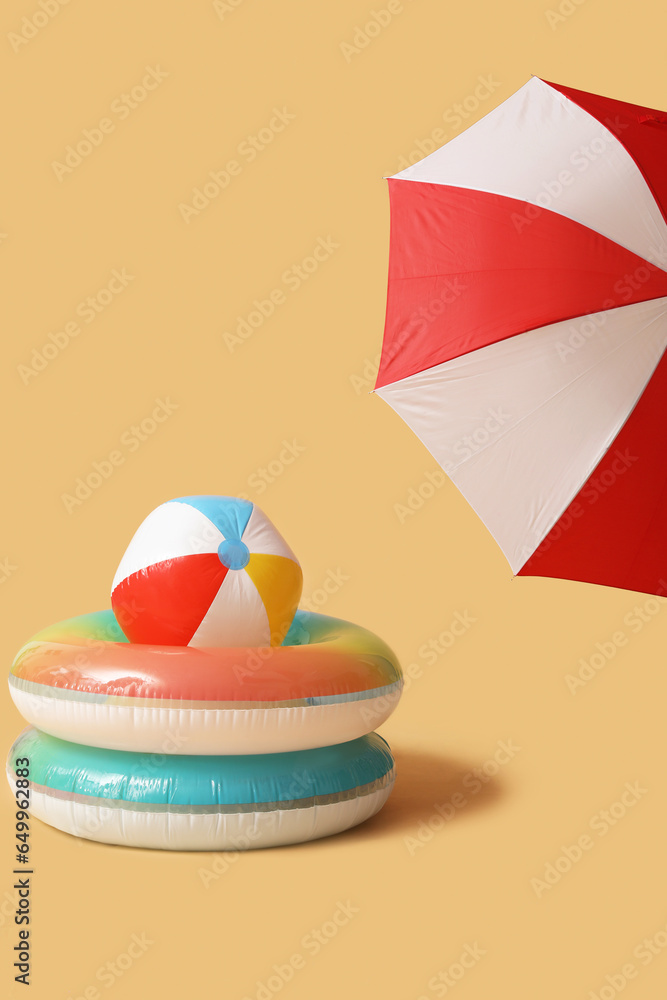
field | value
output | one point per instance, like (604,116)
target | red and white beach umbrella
(526,327)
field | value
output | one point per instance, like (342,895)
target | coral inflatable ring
(202,803)
(82,681)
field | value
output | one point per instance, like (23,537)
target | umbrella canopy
(526,327)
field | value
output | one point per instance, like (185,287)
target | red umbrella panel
(526,326)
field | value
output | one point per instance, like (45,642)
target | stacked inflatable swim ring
(204,711)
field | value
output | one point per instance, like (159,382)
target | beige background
(300,378)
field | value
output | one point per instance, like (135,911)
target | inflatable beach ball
(207,571)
